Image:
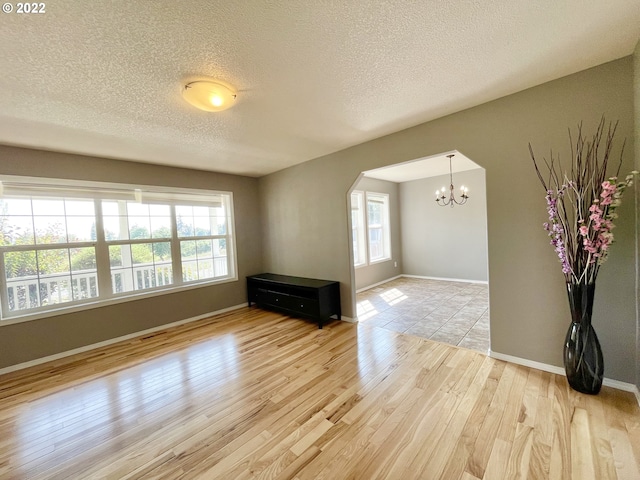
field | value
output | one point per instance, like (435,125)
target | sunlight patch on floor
(393,296)
(365,309)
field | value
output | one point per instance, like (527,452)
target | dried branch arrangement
(582,201)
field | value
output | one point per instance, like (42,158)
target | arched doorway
(419,268)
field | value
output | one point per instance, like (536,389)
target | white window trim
(386,229)
(361,228)
(101,190)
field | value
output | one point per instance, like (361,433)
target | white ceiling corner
(104,78)
(423,168)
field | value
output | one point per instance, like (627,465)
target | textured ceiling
(104,78)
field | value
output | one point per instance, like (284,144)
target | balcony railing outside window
(32,291)
(62,248)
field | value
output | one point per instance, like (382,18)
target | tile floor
(456,313)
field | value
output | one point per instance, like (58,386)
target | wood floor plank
(518,464)
(616,411)
(542,439)
(252,394)
(478,396)
(498,460)
(479,457)
(581,456)
(600,444)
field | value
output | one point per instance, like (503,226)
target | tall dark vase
(583,361)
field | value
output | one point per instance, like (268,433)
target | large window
(71,245)
(370,227)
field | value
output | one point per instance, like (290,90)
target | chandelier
(442,199)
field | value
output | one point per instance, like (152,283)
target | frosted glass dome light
(209,95)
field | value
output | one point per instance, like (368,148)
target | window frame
(363,219)
(29,187)
(359,229)
(385,226)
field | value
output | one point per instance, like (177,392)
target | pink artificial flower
(584,230)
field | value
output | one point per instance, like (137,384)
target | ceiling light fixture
(441,197)
(209,95)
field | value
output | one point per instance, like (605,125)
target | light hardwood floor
(253,394)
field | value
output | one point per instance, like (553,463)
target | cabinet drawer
(284,301)
(300,304)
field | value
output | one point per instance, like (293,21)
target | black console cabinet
(305,297)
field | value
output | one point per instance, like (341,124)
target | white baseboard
(463,280)
(86,348)
(378,283)
(482,282)
(349,319)
(545,367)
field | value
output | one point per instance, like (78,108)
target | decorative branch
(581,202)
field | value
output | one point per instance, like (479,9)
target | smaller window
(358,229)
(370,227)
(139,239)
(378,227)
(202,231)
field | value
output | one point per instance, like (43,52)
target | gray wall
(378,272)
(21,342)
(304,211)
(442,241)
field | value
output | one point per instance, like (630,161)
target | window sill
(111,301)
(363,265)
(380,260)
